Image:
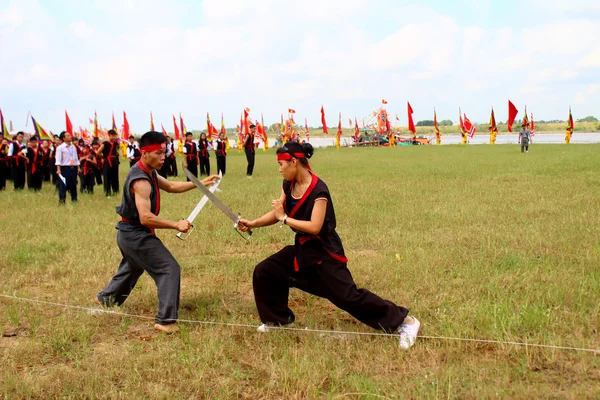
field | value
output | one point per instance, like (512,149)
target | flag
(525,119)
(469,127)
(532,126)
(164,130)
(114,125)
(325,131)
(246,127)
(493,128)
(39,131)
(175,128)
(339,132)
(291,111)
(350,122)
(460,122)
(512,114)
(397,119)
(356,129)
(5,132)
(265,137)
(209,130)
(182,126)
(125,126)
(571,126)
(151,122)
(223,130)
(435,124)
(85,135)
(69,125)
(96,130)
(383,101)
(411,124)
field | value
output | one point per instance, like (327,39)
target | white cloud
(591,60)
(81,30)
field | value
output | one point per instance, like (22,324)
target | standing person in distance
(34,165)
(67,168)
(204,154)
(18,161)
(316,262)
(45,153)
(4,164)
(133,153)
(141,249)
(173,171)
(110,154)
(524,138)
(88,168)
(190,152)
(221,152)
(99,161)
(249,150)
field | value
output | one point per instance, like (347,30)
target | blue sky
(219,56)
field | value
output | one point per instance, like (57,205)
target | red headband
(288,156)
(153,147)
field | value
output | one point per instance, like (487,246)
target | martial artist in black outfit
(190,152)
(110,154)
(221,151)
(34,165)
(204,155)
(88,168)
(45,154)
(140,248)
(17,161)
(316,263)
(249,149)
(4,164)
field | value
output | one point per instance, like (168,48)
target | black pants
(173,167)
(332,280)
(193,168)
(524,146)
(221,164)
(164,170)
(46,173)
(205,166)
(87,183)
(18,174)
(4,171)
(111,179)
(34,179)
(143,251)
(98,173)
(250,157)
(70,175)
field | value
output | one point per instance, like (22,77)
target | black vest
(311,250)
(130,219)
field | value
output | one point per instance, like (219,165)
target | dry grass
(491,244)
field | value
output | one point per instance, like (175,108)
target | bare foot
(167,328)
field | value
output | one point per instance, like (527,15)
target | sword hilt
(184,236)
(235,226)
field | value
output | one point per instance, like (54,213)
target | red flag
(209,127)
(125,126)
(461,123)
(151,122)
(339,130)
(182,125)
(176,128)
(114,125)
(223,130)
(435,123)
(411,124)
(163,129)
(291,111)
(512,114)
(325,131)
(383,101)
(469,127)
(69,127)
(96,130)
(532,126)
(356,129)
(246,127)
(571,124)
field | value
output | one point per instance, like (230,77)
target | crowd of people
(67,161)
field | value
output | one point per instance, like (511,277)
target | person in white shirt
(67,168)
(133,152)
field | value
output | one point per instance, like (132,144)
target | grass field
(478,241)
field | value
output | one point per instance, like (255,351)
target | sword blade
(232,216)
(204,200)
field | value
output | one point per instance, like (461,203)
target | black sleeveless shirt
(130,219)
(313,249)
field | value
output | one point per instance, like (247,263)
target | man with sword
(139,246)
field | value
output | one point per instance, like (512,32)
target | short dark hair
(294,147)
(131,137)
(33,139)
(19,133)
(112,132)
(62,135)
(152,137)
(189,134)
(252,126)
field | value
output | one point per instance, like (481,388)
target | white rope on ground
(307,330)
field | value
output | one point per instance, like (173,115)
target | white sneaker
(264,328)
(408,334)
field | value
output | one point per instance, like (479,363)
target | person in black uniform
(133,153)
(204,155)
(249,150)
(88,168)
(18,161)
(221,152)
(142,250)
(99,161)
(45,154)
(53,170)
(4,165)
(110,153)
(316,262)
(173,171)
(34,165)
(190,151)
